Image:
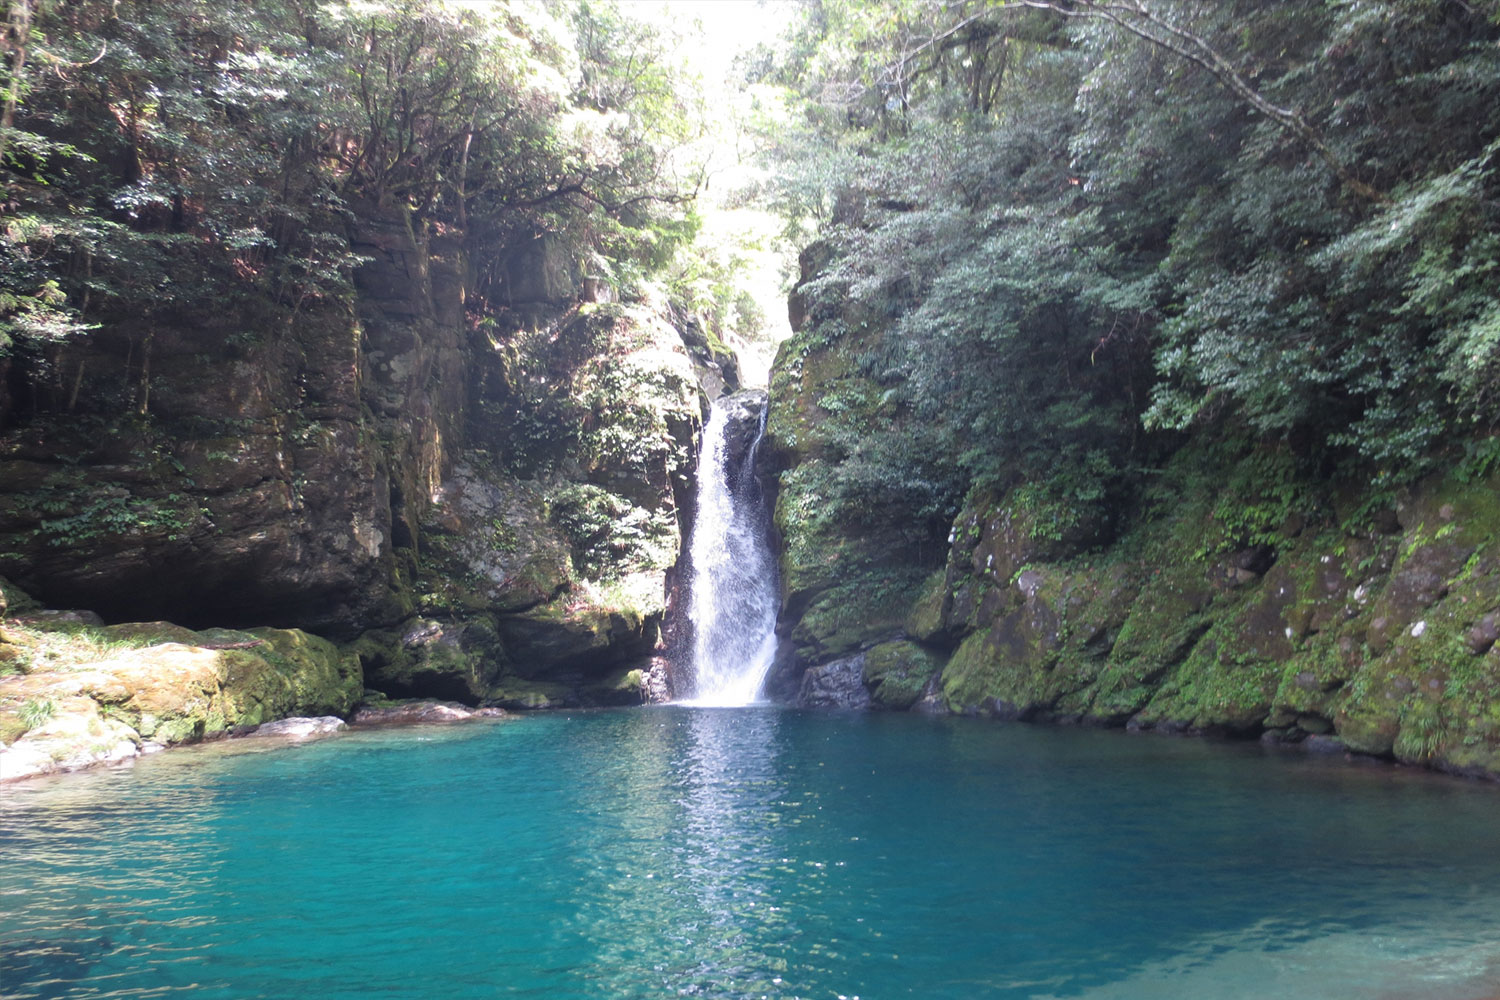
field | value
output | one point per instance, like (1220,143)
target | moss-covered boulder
(86,692)
(1383,643)
(433,658)
(897,673)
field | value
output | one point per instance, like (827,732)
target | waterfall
(732,589)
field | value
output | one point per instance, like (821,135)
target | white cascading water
(732,589)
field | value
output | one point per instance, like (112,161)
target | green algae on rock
(1385,643)
(115,689)
(1237,596)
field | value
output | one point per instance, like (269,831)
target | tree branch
(1134,17)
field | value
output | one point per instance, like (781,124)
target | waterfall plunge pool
(755,852)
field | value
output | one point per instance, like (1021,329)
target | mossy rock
(1215,688)
(1428,689)
(810,367)
(625,686)
(1451,507)
(567,635)
(432,658)
(1368,730)
(998,670)
(320,678)
(1094,604)
(925,620)
(114,686)
(14,600)
(178,730)
(1166,620)
(1325,577)
(852,615)
(158,633)
(995,538)
(174,691)
(13,659)
(1313,680)
(818,548)
(898,672)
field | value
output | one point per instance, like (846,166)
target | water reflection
(728,794)
(747,853)
(689,894)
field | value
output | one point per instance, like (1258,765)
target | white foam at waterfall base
(732,593)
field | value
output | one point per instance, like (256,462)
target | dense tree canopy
(1091,224)
(140,136)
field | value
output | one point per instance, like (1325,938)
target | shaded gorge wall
(490,501)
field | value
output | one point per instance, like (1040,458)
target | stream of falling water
(733,594)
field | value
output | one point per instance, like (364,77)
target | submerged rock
(300,728)
(411,712)
(1324,744)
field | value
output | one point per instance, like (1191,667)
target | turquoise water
(675,852)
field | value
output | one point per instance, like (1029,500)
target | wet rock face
(240,465)
(369,466)
(840,684)
(744,427)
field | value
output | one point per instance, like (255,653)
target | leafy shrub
(608,535)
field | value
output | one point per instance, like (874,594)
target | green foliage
(175,153)
(1075,242)
(608,535)
(1481,460)
(37,712)
(1258,498)
(117,513)
(1422,730)
(706,277)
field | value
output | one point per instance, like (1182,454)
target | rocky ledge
(75,692)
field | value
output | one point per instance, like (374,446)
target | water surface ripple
(749,853)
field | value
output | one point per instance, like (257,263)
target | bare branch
(1135,17)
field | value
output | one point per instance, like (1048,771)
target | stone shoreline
(39,757)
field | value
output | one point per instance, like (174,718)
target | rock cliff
(489,499)
(1232,597)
